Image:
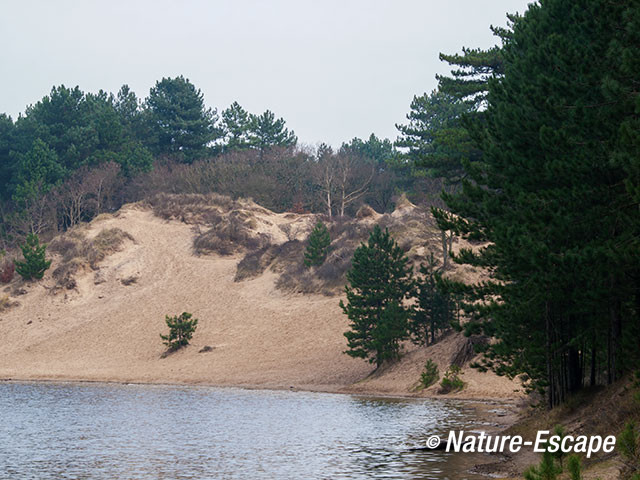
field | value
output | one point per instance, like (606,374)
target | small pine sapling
(181,329)
(318,246)
(35,262)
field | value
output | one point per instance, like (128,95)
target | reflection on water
(103,431)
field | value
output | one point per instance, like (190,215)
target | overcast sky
(332,69)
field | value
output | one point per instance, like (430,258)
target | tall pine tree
(550,198)
(380,282)
(181,124)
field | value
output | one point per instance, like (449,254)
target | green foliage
(181,329)
(378,151)
(562,232)
(35,262)
(547,470)
(265,131)
(7,133)
(180,123)
(236,123)
(435,139)
(430,374)
(574,466)
(434,309)
(380,282)
(451,382)
(628,443)
(318,246)
(36,172)
(559,454)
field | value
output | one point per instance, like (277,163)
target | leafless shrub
(7,269)
(86,193)
(191,208)
(232,234)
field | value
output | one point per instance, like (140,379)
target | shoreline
(274,388)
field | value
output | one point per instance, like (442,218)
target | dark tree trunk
(592,379)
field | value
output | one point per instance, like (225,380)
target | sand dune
(104,330)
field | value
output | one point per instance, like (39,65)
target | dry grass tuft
(231,234)
(6,303)
(365,211)
(108,241)
(403,202)
(78,253)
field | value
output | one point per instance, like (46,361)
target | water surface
(109,431)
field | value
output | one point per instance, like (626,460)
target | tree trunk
(592,380)
(445,253)
(550,377)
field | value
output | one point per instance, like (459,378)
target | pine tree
(433,312)
(181,329)
(266,131)
(437,134)
(549,197)
(181,124)
(435,138)
(235,127)
(35,262)
(380,282)
(318,246)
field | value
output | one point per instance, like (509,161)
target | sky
(333,70)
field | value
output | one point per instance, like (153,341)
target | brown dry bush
(7,270)
(191,208)
(298,281)
(254,263)
(279,258)
(347,235)
(327,278)
(232,234)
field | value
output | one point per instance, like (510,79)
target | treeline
(542,136)
(74,154)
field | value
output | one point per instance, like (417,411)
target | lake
(112,431)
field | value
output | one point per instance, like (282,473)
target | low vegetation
(429,375)
(628,444)
(35,263)
(451,382)
(7,268)
(77,252)
(317,246)
(6,303)
(181,330)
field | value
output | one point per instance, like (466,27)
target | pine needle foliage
(318,246)
(181,329)
(380,282)
(35,263)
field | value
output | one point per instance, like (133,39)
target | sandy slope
(261,336)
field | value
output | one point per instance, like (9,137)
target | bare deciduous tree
(354,176)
